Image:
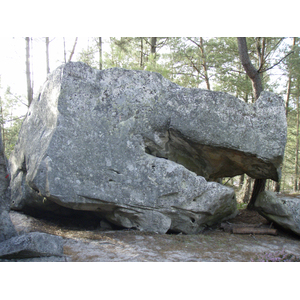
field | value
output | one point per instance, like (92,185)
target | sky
(13,56)
(12,60)
(119,18)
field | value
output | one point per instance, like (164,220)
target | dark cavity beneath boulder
(139,149)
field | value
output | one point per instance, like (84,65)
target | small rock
(29,245)
(281,209)
(105,225)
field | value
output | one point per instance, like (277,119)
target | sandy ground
(87,242)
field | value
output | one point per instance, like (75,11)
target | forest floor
(85,241)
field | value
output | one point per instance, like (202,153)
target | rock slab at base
(283,210)
(138,149)
(30,245)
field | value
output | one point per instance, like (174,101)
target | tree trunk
(100,53)
(288,96)
(73,50)
(277,187)
(259,184)
(65,53)
(242,178)
(47,55)
(142,51)
(153,46)
(28,73)
(289,86)
(2,125)
(297,148)
(204,64)
(243,196)
(249,68)
(260,47)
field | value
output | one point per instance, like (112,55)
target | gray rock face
(134,146)
(27,245)
(280,209)
(7,229)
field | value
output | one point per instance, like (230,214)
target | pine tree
(191,61)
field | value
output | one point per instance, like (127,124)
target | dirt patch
(249,217)
(85,241)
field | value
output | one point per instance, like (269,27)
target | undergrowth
(241,205)
(279,256)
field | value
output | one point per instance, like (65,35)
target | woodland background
(196,62)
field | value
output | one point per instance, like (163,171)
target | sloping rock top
(130,144)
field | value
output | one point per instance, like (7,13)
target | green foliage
(134,53)
(241,206)
(291,67)
(191,61)
(88,56)
(230,75)
(10,121)
(289,157)
(11,135)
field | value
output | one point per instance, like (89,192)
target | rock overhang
(211,162)
(106,133)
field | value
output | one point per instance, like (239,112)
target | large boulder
(281,209)
(138,148)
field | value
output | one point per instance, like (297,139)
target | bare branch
(14,119)
(163,43)
(189,74)
(145,39)
(193,65)
(198,45)
(235,71)
(9,92)
(277,44)
(265,70)
(260,51)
